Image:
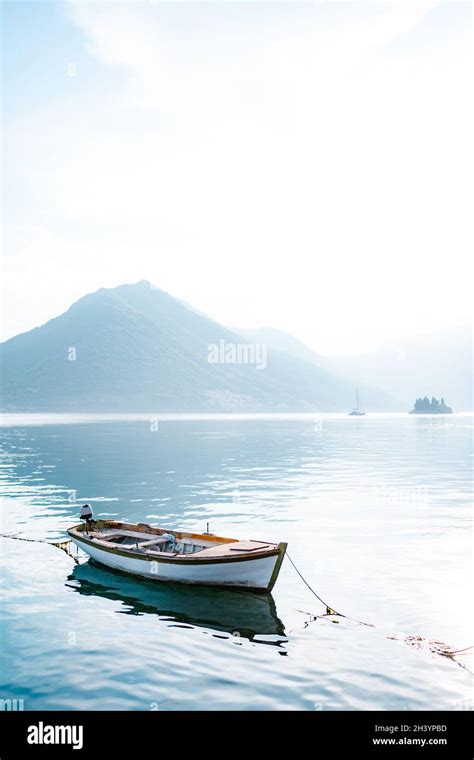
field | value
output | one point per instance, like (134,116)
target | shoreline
(9,419)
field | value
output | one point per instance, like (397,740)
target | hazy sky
(305,166)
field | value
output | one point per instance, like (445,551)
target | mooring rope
(307,584)
(460,651)
(63,545)
(435,647)
(329,610)
(31,540)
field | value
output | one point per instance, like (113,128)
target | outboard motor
(86,514)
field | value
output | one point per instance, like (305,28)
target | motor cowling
(86,512)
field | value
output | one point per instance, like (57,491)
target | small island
(425,406)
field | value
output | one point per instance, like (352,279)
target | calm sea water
(377,513)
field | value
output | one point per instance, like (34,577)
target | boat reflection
(234,613)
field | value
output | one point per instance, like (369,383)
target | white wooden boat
(178,556)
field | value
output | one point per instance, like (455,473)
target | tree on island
(424,406)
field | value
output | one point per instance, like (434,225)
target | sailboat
(357,411)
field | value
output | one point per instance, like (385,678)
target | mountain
(437,364)
(135,348)
(283,342)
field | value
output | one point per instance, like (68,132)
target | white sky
(300,166)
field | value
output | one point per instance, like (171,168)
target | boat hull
(256,573)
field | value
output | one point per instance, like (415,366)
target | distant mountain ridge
(441,362)
(135,348)
(283,342)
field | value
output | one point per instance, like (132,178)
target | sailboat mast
(357,398)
